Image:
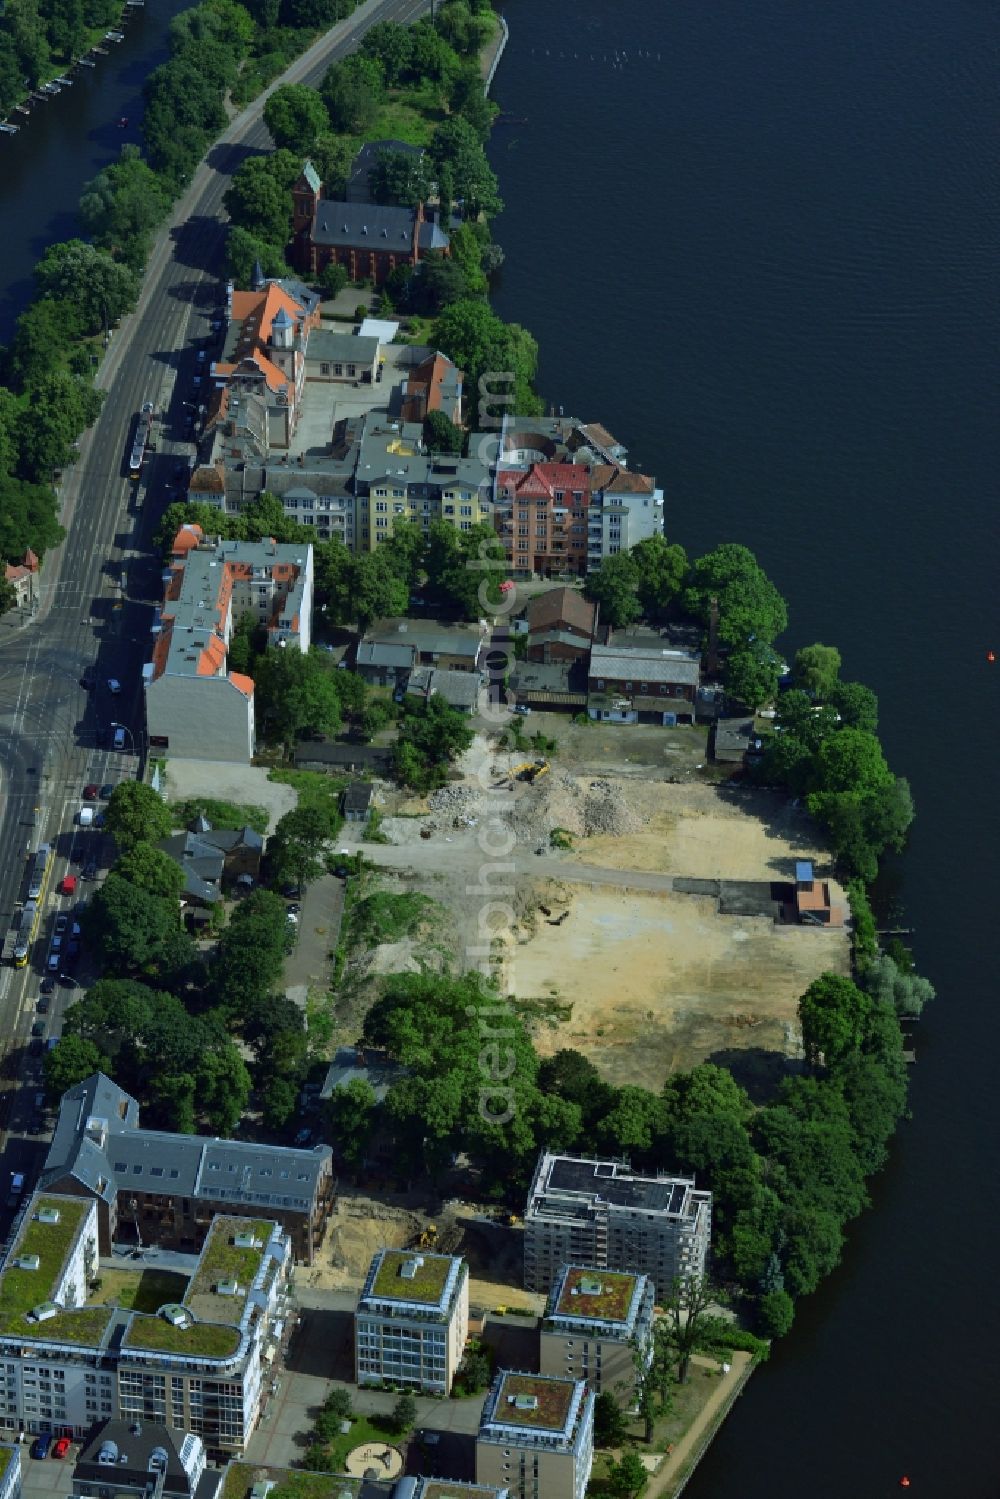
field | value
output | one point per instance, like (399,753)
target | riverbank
(54,78)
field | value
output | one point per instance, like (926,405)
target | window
(465,510)
(381,506)
(324,369)
(338,369)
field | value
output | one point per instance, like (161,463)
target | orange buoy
(991,656)
(904,1482)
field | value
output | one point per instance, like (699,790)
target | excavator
(529,770)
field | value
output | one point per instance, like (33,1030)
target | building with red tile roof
(24,578)
(195,707)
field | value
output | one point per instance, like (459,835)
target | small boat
(85,62)
(6,129)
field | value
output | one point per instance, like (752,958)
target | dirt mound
(584,809)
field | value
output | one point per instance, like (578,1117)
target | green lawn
(138,1291)
(314,788)
(200,1339)
(363,1429)
(221,814)
(410,115)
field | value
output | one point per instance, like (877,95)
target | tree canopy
(750,607)
(137,814)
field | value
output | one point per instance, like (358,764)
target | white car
(85,817)
(114,686)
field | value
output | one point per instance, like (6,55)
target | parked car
(42,1006)
(523,709)
(90,870)
(106,790)
(47,986)
(40,1446)
(62,922)
(38,1029)
(52,963)
(61,1448)
(56,943)
(90,792)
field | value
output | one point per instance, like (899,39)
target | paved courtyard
(320,1348)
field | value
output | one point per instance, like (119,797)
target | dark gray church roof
(367,226)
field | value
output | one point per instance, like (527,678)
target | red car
(61,1447)
(91,792)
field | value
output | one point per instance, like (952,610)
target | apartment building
(567,517)
(398,479)
(68,1360)
(195,707)
(252,1481)
(141,1460)
(153,1187)
(536,1436)
(598,1327)
(412,1320)
(601,1213)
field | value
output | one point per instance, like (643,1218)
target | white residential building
(412,1320)
(68,1360)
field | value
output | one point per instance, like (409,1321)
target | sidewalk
(689,1449)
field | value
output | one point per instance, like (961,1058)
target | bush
(865,938)
(361,312)
(776,1314)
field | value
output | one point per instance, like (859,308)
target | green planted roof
(537,1401)
(22,1290)
(603,1294)
(213,1330)
(426,1284)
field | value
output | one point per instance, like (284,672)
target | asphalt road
(99,588)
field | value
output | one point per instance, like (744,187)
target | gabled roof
(311,175)
(234,1172)
(557,604)
(545,478)
(613,479)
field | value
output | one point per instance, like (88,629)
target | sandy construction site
(606,955)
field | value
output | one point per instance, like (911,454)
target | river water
(761,249)
(64,143)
